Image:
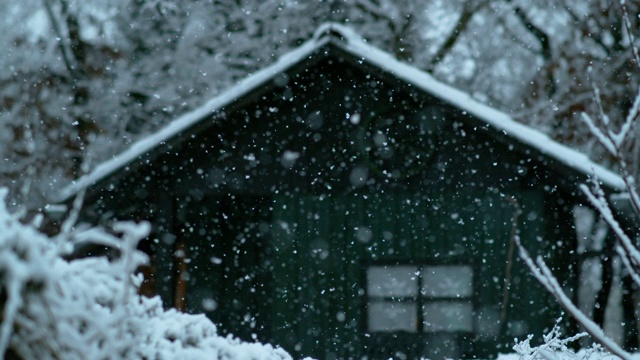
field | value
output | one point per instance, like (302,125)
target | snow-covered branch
(543,274)
(614,142)
(597,198)
(627,28)
(609,145)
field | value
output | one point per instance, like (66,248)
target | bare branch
(398,24)
(74,213)
(596,37)
(545,46)
(468,11)
(374,11)
(61,43)
(537,32)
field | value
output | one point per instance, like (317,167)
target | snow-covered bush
(555,347)
(52,308)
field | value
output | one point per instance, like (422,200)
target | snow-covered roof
(353,44)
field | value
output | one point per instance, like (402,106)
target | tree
(86,78)
(578,35)
(614,136)
(109,72)
(49,92)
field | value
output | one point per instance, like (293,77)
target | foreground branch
(630,254)
(543,274)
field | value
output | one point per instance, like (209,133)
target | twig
(60,39)
(25,190)
(68,224)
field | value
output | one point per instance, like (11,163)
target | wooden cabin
(342,204)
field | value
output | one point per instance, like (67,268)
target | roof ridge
(334,30)
(348,40)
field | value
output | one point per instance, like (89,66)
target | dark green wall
(321,246)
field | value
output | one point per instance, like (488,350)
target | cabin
(342,204)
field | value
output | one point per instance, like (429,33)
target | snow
(89,308)
(353,44)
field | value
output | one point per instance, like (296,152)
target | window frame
(420,299)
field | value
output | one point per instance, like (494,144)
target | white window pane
(447,281)
(392,281)
(447,316)
(389,316)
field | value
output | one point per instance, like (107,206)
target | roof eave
(140,148)
(347,41)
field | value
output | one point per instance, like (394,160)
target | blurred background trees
(80,80)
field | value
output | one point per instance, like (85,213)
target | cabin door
(228,278)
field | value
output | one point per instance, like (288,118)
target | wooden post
(180,275)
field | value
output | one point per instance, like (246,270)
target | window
(411,298)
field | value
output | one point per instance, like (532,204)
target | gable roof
(345,39)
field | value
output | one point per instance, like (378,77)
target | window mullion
(420,315)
